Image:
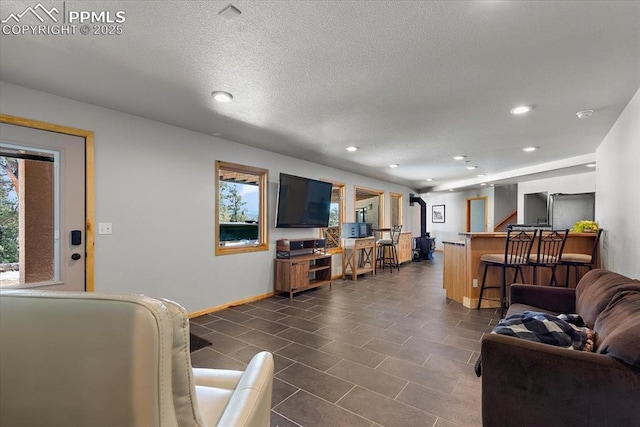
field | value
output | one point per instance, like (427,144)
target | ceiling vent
(230,12)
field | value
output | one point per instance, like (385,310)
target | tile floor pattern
(385,350)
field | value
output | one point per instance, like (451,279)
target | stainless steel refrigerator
(567,209)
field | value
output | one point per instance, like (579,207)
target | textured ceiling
(412,83)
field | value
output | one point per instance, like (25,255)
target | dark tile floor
(386,350)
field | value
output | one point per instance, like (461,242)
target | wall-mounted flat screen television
(303,202)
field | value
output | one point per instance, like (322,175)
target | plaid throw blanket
(565,330)
(562,331)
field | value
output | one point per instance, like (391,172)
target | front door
(46,172)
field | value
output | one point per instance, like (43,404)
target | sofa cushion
(618,328)
(595,291)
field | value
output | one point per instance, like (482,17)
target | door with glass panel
(42,209)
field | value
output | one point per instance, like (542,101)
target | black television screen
(303,202)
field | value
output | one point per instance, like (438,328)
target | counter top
(454,242)
(502,234)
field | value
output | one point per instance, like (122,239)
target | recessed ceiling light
(472,167)
(429,179)
(395,165)
(459,157)
(451,189)
(483,183)
(591,165)
(480,175)
(521,109)
(529,149)
(221,96)
(584,114)
(352,148)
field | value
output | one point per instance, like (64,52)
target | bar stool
(580,260)
(550,246)
(387,249)
(516,254)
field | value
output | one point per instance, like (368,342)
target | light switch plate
(105,228)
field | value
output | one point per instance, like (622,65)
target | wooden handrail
(503,223)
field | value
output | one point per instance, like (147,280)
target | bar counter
(462,274)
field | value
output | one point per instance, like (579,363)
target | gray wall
(156,184)
(455,213)
(617,195)
(506,201)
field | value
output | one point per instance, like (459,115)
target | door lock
(76,256)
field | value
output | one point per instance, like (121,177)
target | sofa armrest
(218,378)
(559,300)
(526,383)
(250,404)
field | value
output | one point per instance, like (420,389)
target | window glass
(396,208)
(241,214)
(28,248)
(333,233)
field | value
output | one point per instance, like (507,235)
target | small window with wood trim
(396,208)
(241,208)
(333,233)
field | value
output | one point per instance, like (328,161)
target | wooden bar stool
(550,246)
(580,260)
(516,255)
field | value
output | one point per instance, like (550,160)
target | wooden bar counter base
(462,274)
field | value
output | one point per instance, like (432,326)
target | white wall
(156,184)
(455,213)
(456,203)
(569,184)
(505,201)
(616,182)
(618,195)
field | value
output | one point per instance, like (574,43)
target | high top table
(358,256)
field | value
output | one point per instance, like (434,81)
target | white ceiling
(412,83)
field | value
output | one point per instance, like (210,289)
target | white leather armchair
(89,359)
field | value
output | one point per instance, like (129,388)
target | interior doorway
(50,169)
(477,214)
(536,211)
(369,206)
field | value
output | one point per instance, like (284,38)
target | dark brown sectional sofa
(527,383)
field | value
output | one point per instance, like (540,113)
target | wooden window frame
(263,236)
(342,214)
(373,192)
(400,199)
